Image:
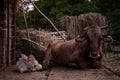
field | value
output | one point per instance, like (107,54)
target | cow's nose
(94,54)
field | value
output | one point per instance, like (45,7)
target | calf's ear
(31,57)
(23,56)
(107,38)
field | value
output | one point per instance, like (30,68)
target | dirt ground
(64,73)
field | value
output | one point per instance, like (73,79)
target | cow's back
(61,51)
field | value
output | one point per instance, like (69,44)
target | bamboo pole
(28,34)
(5,33)
(26,25)
(13,27)
(9,19)
(47,19)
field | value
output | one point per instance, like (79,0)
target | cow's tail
(46,61)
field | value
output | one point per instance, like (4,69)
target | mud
(64,73)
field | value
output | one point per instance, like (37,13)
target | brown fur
(75,51)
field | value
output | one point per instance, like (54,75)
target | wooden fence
(57,37)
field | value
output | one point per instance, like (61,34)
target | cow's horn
(103,27)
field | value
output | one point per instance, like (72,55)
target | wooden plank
(13,27)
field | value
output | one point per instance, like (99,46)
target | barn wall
(7,29)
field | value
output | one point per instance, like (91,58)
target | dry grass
(75,24)
(41,37)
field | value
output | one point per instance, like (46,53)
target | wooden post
(8,51)
(7,20)
(13,50)
(3,31)
(26,26)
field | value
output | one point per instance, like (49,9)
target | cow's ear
(107,38)
(79,38)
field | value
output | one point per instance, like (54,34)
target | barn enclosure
(74,26)
(25,31)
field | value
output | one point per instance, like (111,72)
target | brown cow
(83,51)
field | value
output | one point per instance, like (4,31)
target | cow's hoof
(95,66)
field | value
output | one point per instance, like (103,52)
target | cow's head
(93,35)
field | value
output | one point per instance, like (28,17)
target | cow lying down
(84,51)
(28,63)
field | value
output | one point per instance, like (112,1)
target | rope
(47,19)
(109,69)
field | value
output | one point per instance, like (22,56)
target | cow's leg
(82,63)
(73,59)
(79,61)
(96,63)
(47,59)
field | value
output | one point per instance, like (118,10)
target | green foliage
(108,6)
(20,21)
(56,9)
(111,9)
(114,19)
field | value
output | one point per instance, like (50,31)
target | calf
(27,63)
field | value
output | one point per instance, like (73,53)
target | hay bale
(75,24)
(41,37)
